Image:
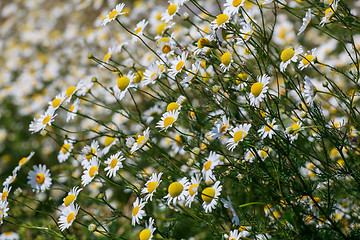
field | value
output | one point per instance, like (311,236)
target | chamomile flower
(147,233)
(139,29)
(165,46)
(171,11)
(140,141)
(68,216)
(193,189)
(151,185)
(227,204)
(39,178)
(117,11)
(25,160)
(123,84)
(268,130)
(176,106)
(71,197)
(210,196)
(114,162)
(3,210)
(73,109)
(65,150)
(90,172)
(177,65)
(70,91)
(168,119)
(57,101)
(109,141)
(89,152)
(238,234)
(190,75)
(10,179)
(203,44)
(289,55)
(152,73)
(150,113)
(307,59)
(5,193)
(258,90)
(45,120)
(238,134)
(138,212)
(178,191)
(246,32)
(293,131)
(220,21)
(306,21)
(232,6)
(108,55)
(221,127)
(309,91)
(226,60)
(212,161)
(9,236)
(329,12)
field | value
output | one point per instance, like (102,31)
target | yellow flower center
(135,210)
(329,12)
(70,217)
(107,57)
(242,76)
(138,30)
(226,58)
(236,3)
(172,106)
(208,194)
(40,178)
(108,140)
(70,91)
(46,120)
(168,121)
(172,9)
(160,29)
(22,161)
(180,65)
(138,77)
(69,199)
(71,109)
(239,135)
(307,59)
(193,189)
(221,18)
(263,154)
(145,234)
(123,82)
(4,196)
(223,129)
(287,54)
(257,88)
(140,139)
(91,154)
(178,140)
(93,171)
(152,186)
(65,148)
(203,42)
(295,127)
(175,189)
(207,165)
(113,162)
(112,15)
(56,102)
(166,49)
(267,128)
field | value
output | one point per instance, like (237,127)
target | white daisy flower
(171,11)
(25,160)
(178,191)
(57,101)
(258,90)
(73,109)
(139,29)
(176,106)
(193,189)
(307,59)
(71,197)
(249,156)
(190,75)
(232,6)
(5,193)
(168,119)
(10,179)
(329,12)
(220,21)
(212,161)
(147,233)
(138,212)
(226,60)
(238,134)
(45,119)
(109,141)
(221,127)
(68,216)
(9,236)
(3,210)
(152,73)
(235,218)
(177,65)
(237,235)
(263,153)
(90,172)
(246,32)
(39,178)
(149,114)
(86,85)
(141,140)
(268,130)
(289,55)
(202,44)
(293,131)
(123,84)
(165,46)
(114,13)
(309,91)
(89,152)
(107,56)
(306,21)
(65,150)
(114,164)
(70,91)
(210,196)
(151,185)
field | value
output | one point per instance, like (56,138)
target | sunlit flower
(65,150)
(212,161)
(89,152)
(171,11)
(268,130)
(147,233)
(123,84)
(329,12)
(151,185)
(138,213)
(152,73)
(306,21)
(307,59)
(178,64)
(139,29)
(293,131)
(9,236)
(114,163)
(221,127)
(68,216)
(57,101)
(90,172)
(210,196)
(71,197)
(289,55)
(178,191)
(309,91)
(220,21)
(238,134)
(39,178)
(193,189)
(258,90)
(45,119)
(168,119)
(226,60)
(73,109)
(108,143)
(25,160)
(5,193)
(141,140)
(117,11)
(232,6)
(3,210)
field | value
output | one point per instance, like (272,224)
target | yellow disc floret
(257,88)
(287,54)
(175,189)
(208,194)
